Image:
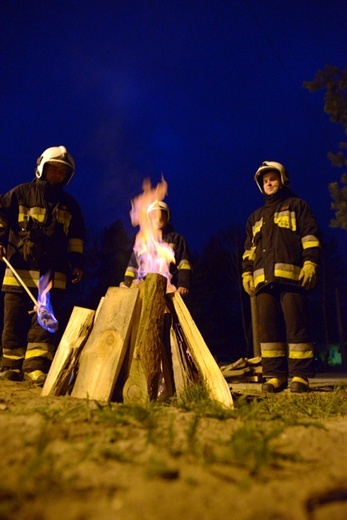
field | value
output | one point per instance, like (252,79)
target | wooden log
(181,378)
(128,358)
(66,357)
(99,307)
(184,368)
(140,286)
(103,354)
(201,355)
(143,381)
(167,382)
(135,389)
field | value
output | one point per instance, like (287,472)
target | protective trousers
(284,334)
(26,345)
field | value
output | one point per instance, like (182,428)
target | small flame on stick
(152,253)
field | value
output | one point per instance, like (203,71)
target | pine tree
(334,81)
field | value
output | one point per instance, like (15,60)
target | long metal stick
(20,280)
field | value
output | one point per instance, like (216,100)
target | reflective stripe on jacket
(43,231)
(281,236)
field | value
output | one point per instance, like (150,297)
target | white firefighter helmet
(159,204)
(55,154)
(268,166)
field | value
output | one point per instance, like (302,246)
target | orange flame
(152,253)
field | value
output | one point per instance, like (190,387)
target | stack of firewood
(120,352)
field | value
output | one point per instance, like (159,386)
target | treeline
(217,302)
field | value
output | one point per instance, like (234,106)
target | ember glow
(45,315)
(152,253)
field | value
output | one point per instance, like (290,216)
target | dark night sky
(201,91)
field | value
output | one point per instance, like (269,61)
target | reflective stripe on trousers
(284,332)
(25,343)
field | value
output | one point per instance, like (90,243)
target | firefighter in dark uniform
(41,234)
(279,265)
(181,270)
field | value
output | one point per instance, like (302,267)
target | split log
(143,381)
(99,307)
(104,352)
(181,378)
(201,355)
(183,367)
(167,382)
(125,369)
(66,357)
(140,286)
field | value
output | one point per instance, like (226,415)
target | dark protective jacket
(181,271)
(43,230)
(281,236)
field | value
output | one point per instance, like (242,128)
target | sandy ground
(64,458)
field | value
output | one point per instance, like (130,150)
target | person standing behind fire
(279,265)
(41,233)
(181,270)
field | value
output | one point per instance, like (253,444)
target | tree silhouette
(217,301)
(334,82)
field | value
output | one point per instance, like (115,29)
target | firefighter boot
(274,385)
(10,374)
(299,385)
(36,376)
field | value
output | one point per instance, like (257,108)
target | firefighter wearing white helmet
(181,271)
(279,265)
(58,156)
(41,234)
(267,166)
(161,206)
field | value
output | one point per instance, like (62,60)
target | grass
(63,439)
(190,429)
(291,407)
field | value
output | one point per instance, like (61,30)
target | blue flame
(44,309)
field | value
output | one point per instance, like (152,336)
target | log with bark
(142,384)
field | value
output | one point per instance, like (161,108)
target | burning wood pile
(141,344)
(120,352)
